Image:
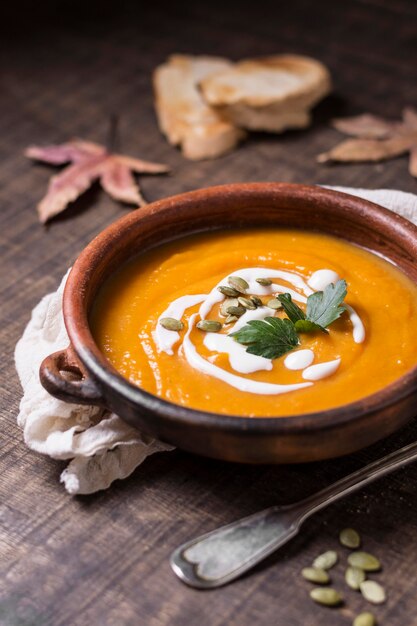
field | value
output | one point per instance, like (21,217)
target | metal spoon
(222,555)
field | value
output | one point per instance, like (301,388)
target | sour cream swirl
(240,360)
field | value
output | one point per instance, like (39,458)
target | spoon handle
(362,477)
(222,555)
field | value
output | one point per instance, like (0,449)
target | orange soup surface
(372,344)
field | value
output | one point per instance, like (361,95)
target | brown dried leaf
(366,126)
(352,150)
(377,139)
(412,167)
(91,161)
(410,118)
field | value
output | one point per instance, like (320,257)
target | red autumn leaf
(90,162)
(376,139)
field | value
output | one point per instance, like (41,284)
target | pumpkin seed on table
(354,577)
(364,560)
(256,301)
(326,560)
(236,310)
(315,575)
(274,303)
(265,282)
(226,303)
(246,303)
(209,326)
(230,319)
(373,591)
(364,619)
(170,323)
(350,538)
(238,283)
(228,291)
(326,596)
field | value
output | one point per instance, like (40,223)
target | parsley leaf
(270,338)
(297,315)
(324,307)
(273,336)
(292,310)
(306,326)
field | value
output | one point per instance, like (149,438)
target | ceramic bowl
(292,439)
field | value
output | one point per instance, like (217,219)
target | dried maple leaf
(377,139)
(89,162)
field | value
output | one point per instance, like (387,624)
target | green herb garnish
(270,338)
(297,315)
(292,310)
(273,337)
(325,307)
(306,326)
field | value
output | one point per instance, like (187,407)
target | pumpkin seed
(265,282)
(170,323)
(235,310)
(238,283)
(256,301)
(226,303)
(230,319)
(354,577)
(315,575)
(364,560)
(350,538)
(228,291)
(364,619)
(274,303)
(326,596)
(245,302)
(326,560)
(373,591)
(209,326)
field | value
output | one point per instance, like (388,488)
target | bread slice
(183,116)
(271,93)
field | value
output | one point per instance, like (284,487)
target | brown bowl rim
(83,343)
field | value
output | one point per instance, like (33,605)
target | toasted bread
(183,116)
(271,93)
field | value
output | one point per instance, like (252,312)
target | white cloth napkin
(100,446)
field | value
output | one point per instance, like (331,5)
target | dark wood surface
(103,559)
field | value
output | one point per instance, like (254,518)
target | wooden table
(103,560)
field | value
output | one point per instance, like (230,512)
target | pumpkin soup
(258,323)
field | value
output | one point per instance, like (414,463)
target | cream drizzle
(321,370)
(239,382)
(358,327)
(166,339)
(256,314)
(299,359)
(319,280)
(240,360)
(250,274)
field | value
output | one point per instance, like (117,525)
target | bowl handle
(63,377)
